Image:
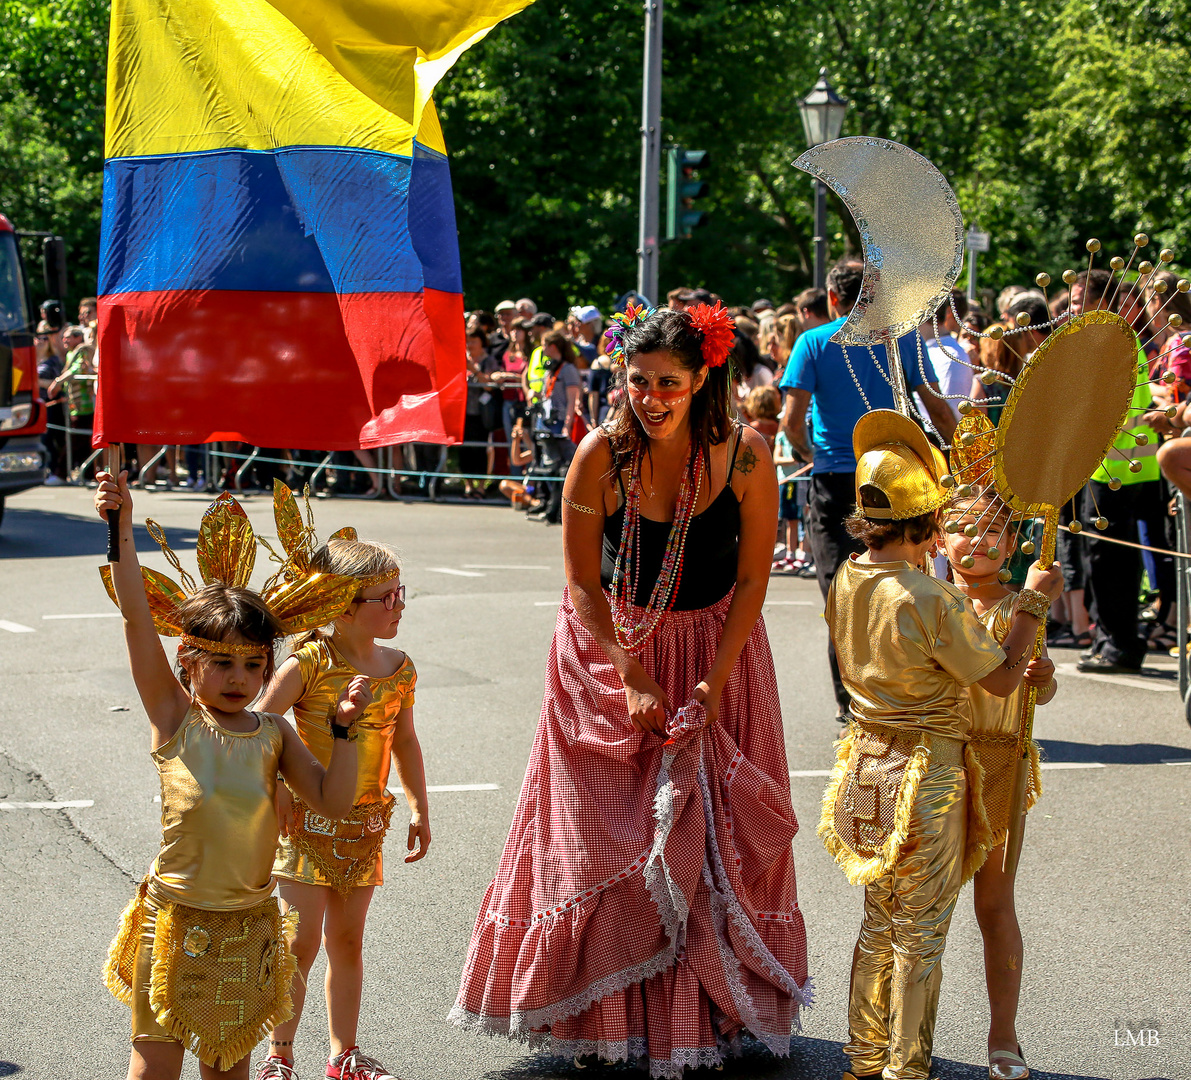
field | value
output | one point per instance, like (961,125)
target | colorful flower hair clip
(718,330)
(621,321)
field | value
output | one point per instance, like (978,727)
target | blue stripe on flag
(300,219)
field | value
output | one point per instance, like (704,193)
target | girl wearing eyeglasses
(327,870)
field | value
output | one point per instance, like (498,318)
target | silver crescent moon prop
(910,226)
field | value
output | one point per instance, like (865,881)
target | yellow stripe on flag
(193,75)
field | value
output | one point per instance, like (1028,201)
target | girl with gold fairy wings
(908,644)
(329,869)
(206,901)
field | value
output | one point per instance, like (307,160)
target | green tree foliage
(52,61)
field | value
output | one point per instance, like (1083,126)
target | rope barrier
(1127,543)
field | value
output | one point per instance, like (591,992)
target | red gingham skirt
(645,902)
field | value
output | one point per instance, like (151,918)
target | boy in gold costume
(895,812)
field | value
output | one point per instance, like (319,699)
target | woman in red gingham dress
(645,904)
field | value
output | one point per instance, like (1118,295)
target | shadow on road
(39,534)
(810,1059)
(1112,754)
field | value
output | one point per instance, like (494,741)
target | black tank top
(709,562)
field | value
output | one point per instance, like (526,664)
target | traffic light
(682,189)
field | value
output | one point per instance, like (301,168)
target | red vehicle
(22,412)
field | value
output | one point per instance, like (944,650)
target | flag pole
(113,466)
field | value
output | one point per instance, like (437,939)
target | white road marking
(453,572)
(810,772)
(1168,686)
(791,603)
(546,603)
(1071,765)
(89,615)
(69,804)
(1176,761)
(461,787)
(16,627)
(500,566)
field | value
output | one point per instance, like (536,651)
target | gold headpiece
(895,457)
(226,551)
(299,540)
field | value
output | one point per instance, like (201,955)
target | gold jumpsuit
(907,645)
(995,726)
(325,675)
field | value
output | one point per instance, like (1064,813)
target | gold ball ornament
(966,439)
(1140,240)
(1028,548)
(988,376)
(1093,246)
(970,530)
(1117,263)
(967,562)
(994,552)
(1170,412)
(1166,255)
(1102,523)
(1135,466)
(1042,280)
(1145,267)
(1183,285)
(1076,526)
(1069,276)
(1004,576)
(1142,439)
(1169,377)
(1158,288)
(996,332)
(965,408)
(951,527)
(1022,318)
(1115,484)
(964,491)
(947,480)
(1174,320)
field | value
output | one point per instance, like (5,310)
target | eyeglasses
(390,599)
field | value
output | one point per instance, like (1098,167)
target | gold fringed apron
(870,797)
(221,979)
(997,754)
(342,851)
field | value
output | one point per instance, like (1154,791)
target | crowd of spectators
(537,383)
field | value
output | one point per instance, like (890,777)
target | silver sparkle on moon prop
(912,232)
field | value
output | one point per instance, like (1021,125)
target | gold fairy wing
(972,449)
(164,596)
(310,601)
(226,543)
(346,533)
(291,530)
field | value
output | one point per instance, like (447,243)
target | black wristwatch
(342,731)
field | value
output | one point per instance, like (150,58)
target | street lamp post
(822,120)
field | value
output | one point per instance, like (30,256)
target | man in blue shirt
(818,377)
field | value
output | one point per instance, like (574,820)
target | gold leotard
(995,726)
(325,675)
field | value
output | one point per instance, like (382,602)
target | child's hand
(419,833)
(1047,580)
(112,494)
(356,698)
(1039,673)
(287,817)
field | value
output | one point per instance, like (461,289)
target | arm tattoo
(747,461)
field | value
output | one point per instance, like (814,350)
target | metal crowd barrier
(1183,604)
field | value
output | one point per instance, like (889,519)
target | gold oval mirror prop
(1066,407)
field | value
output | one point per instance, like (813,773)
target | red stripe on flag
(310,371)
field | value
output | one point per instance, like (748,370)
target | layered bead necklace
(626,576)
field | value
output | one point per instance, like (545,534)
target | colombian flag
(279,262)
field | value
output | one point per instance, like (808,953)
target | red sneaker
(352,1065)
(276,1068)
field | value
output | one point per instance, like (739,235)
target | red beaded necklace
(626,575)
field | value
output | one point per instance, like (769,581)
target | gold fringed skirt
(997,754)
(340,854)
(220,980)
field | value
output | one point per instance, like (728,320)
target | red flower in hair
(718,330)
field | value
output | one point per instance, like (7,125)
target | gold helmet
(895,457)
